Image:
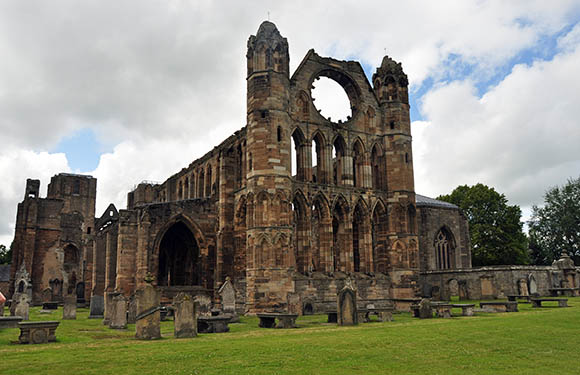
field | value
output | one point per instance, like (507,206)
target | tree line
(496,229)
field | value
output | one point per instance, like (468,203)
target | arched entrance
(179,260)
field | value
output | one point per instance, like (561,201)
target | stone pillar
(118,314)
(148,317)
(69,311)
(185,316)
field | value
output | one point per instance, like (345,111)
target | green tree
(495,227)
(5,254)
(555,228)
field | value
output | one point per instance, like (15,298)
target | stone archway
(179,257)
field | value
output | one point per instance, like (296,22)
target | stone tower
(269,233)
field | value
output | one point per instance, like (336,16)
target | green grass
(533,341)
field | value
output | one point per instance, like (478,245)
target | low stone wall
(496,281)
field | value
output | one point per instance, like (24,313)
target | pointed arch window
(444,250)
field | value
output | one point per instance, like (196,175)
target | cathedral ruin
(349,211)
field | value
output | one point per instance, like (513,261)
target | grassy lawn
(533,341)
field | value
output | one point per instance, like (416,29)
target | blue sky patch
(82,150)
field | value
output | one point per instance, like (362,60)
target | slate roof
(426,201)
(4,272)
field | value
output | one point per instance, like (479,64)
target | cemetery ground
(531,341)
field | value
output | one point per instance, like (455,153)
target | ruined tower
(269,259)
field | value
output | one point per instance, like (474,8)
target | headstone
(69,310)
(22,306)
(228,296)
(204,304)
(523,287)
(132,310)
(453,288)
(118,314)
(185,324)
(346,305)
(97,307)
(107,316)
(463,292)
(47,295)
(486,287)
(532,286)
(148,318)
(14,303)
(294,303)
(425,310)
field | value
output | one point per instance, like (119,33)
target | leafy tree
(5,255)
(494,226)
(555,228)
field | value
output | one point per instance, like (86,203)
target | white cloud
(152,77)
(521,137)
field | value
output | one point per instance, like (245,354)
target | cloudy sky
(134,90)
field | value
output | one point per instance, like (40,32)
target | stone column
(69,311)
(185,316)
(148,317)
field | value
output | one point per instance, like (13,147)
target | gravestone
(228,296)
(147,326)
(108,310)
(118,312)
(453,288)
(294,303)
(425,310)
(204,304)
(69,310)
(47,295)
(532,285)
(523,287)
(132,310)
(486,287)
(346,305)
(463,291)
(22,306)
(185,324)
(97,307)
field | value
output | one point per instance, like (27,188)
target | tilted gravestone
(147,326)
(346,305)
(118,316)
(22,306)
(69,310)
(185,324)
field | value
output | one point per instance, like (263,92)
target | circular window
(331,100)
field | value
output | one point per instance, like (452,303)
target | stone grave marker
(147,326)
(118,315)
(523,287)
(532,286)
(22,306)
(204,304)
(97,307)
(228,296)
(132,310)
(69,310)
(294,303)
(346,305)
(108,307)
(185,324)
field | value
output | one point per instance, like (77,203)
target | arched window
(319,173)
(298,166)
(208,182)
(279,133)
(338,154)
(444,250)
(358,164)
(378,168)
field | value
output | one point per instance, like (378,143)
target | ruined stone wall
(491,282)
(431,220)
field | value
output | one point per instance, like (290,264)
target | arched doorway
(179,260)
